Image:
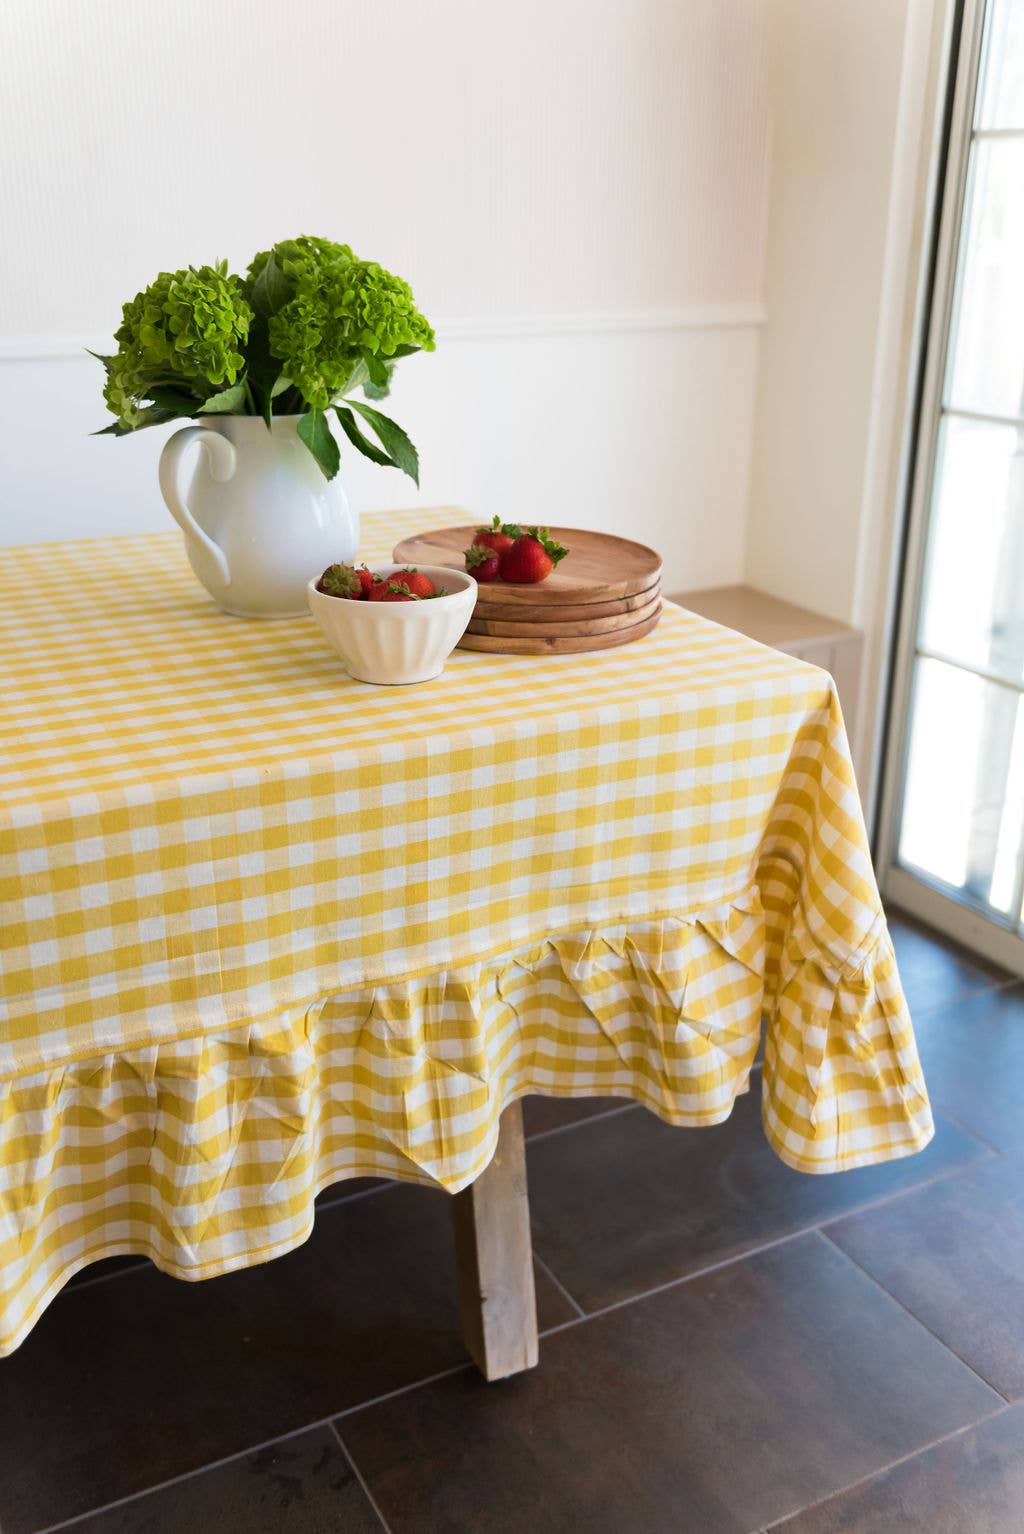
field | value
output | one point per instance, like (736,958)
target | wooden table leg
(495,1259)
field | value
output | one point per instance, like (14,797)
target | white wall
(576,188)
(834,72)
(855,96)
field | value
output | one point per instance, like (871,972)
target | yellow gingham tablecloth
(264,927)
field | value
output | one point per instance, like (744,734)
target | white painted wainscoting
(638,423)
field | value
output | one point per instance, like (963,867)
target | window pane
(986,371)
(973,602)
(964,783)
(1001,97)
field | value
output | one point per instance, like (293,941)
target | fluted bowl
(397,643)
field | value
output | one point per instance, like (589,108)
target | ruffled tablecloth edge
(908,1101)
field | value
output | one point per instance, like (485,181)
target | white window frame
(925,897)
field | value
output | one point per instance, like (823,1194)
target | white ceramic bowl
(396,643)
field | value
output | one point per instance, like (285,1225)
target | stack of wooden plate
(605,592)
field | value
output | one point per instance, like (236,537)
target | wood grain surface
(489,605)
(550,626)
(598,568)
(577,644)
(494,1255)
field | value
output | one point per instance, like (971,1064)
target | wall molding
(511,327)
(516,327)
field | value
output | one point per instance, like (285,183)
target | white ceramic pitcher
(259,518)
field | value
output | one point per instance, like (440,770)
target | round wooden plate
(520,612)
(576,645)
(549,629)
(598,568)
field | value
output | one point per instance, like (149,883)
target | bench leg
(495,1259)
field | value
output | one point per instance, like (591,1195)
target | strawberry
(500,536)
(419,584)
(398,591)
(366,580)
(390,589)
(341,581)
(482,562)
(531,558)
(378,589)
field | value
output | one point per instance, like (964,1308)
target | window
(957,846)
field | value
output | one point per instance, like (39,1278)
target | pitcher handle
(221,455)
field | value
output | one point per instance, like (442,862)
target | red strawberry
(378,589)
(366,580)
(482,562)
(419,584)
(398,591)
(531,558)
(341,581)
(500,536)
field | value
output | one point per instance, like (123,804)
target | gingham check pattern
(264,927)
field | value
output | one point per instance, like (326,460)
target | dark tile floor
(728,1346)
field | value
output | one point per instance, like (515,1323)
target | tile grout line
(174,1480)
(675,1283)
(778,1525)
(972,1133)
(816,1227)
(333,1428)
(563,1291)
(591,1118)
(255,1448)
(913,1316)
(948,1175)
(74,1284)
(813,1228)
(402,1390)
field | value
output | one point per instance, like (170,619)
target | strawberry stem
(552,548)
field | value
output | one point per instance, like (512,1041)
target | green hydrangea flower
(186,331)
(121,391)
(313,347)
(303,258)
(336,309)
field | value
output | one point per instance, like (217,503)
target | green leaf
(375,382)
(281,383)
(271,290)
(357,379)
(373,392)
(173,401)
(316,434)
(403,455)
(375,367)
(154,416)
(262,370)
(350,427)
(227,402)
(108,362)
